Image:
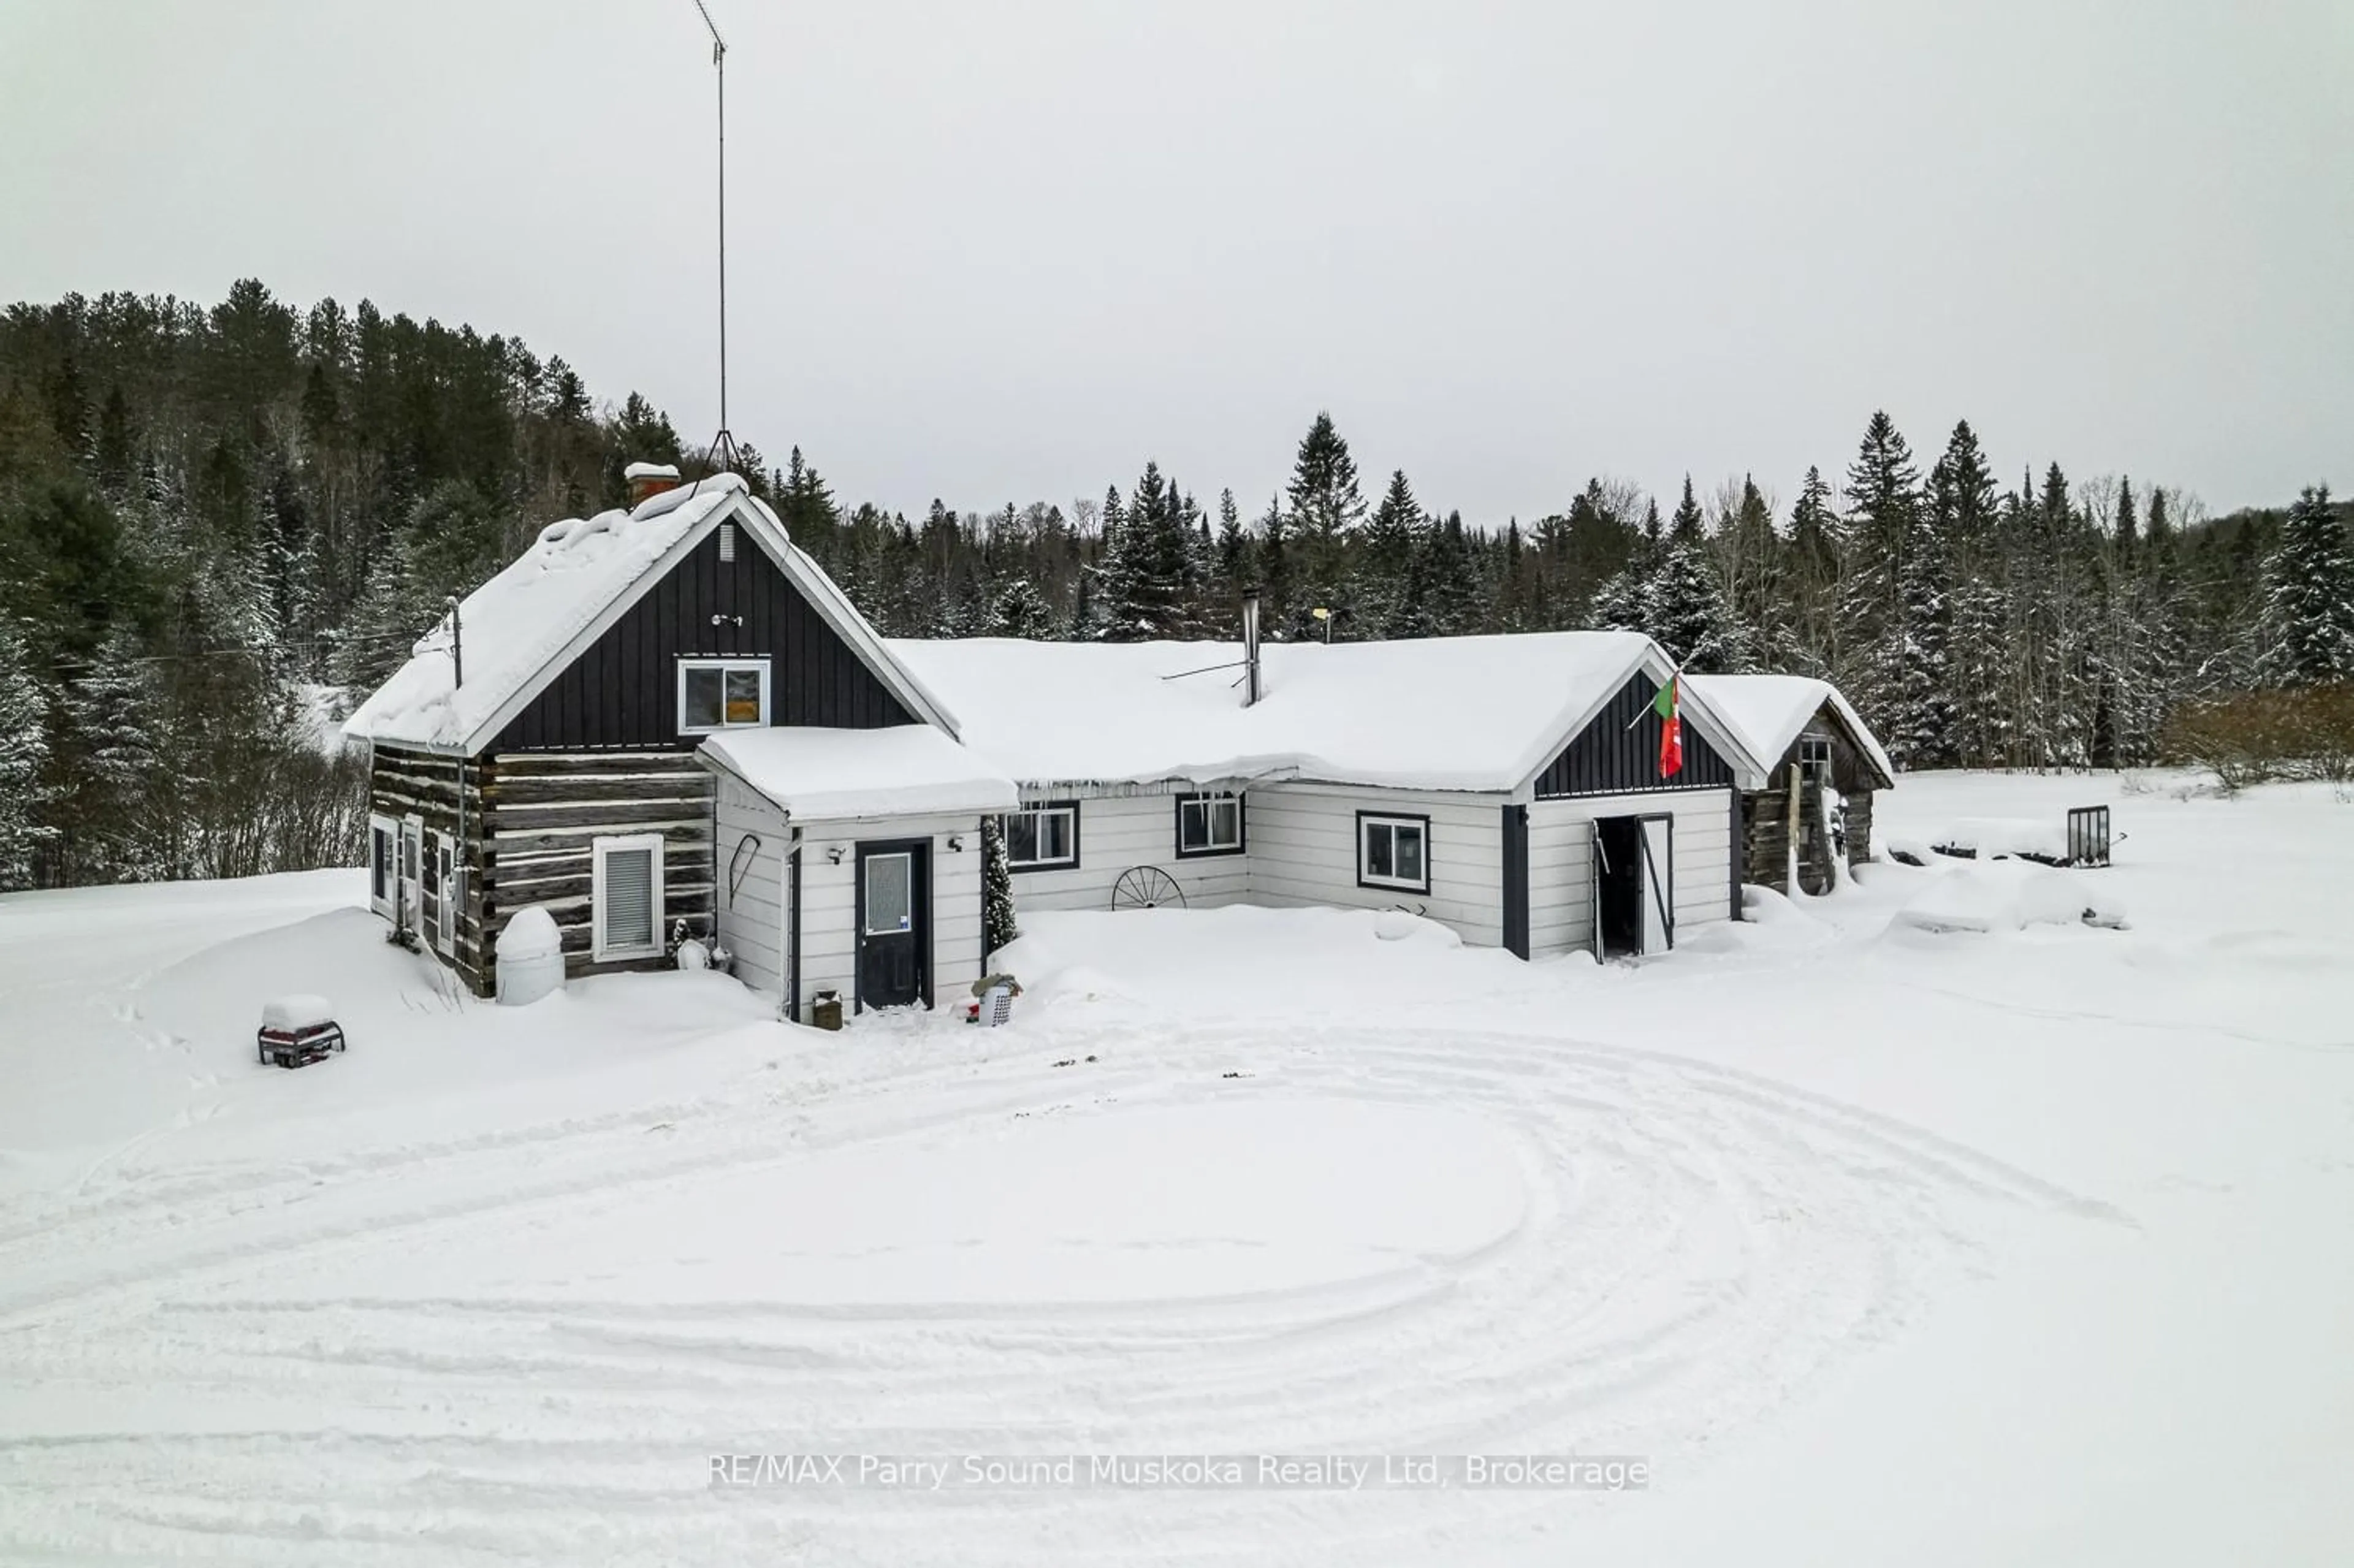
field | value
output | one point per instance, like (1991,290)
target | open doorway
(1634,886)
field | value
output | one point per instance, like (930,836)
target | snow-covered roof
(907,769)
(651,471)
(1444,713)
(1771,710)
(519,629)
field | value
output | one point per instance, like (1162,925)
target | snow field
(1868,1238)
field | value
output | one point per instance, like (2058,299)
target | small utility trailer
(297,1031)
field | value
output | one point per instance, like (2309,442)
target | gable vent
(727,541)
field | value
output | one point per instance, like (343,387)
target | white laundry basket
(531,957)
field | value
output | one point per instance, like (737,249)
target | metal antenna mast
(723,452)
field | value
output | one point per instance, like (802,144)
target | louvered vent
(629,898)
(727,541)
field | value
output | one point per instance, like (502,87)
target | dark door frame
(919,912)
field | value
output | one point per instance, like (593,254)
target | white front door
(1659,884)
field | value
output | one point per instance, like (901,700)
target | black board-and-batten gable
(620,691)
(1617,751)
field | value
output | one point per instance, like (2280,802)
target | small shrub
(2253,738)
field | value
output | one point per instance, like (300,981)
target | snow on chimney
(1250,647)
(648,480)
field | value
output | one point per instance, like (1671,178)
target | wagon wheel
(1146,887)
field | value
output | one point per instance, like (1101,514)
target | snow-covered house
(539,751)
(1823,766)
(1508,786)
(668,721)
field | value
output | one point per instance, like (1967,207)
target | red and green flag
(1672,729)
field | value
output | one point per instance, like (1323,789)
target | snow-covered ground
(1879,1243)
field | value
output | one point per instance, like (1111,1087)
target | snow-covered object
(1770,711)
(820,773)
(293,1013)
(1395,924)
(1442,713)
(1988,837)
(651,471)
(693,954)
(530,933)
(2009,895)
(531,957)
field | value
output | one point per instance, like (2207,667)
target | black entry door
(895,938)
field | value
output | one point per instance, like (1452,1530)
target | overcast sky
(994,251)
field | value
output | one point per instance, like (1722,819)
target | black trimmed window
(722,694)
(1209,825)
(1044,837)
(1394,852)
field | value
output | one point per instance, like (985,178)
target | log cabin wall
(1765,813)
(545,811)
(404,783)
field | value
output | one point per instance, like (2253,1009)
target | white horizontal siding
(1561,895)
(749,897)
(1303,850)
(829,904)
(1118,831)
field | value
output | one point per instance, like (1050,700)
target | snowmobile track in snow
(1694,1244)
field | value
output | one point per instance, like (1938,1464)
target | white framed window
(1209,825)
(442,874)
(890,894)
(1043,838)
(1394,852)
(1814,756)
(384,848)
(722,694)
(625,896)
(408,888)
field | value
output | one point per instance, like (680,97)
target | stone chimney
(648,480)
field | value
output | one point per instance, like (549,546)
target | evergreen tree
(113,745)
(2310,609)
(1810,580)
(1880,655)
(1143,587)
(999,926)
(1236,557)
(1687,525)
(1019,609)
(1386,558)
(1620,604)
(805,504)
(1684,609)
(24,759)
(1961,496)
(1274,565)
(1326,511)
(1751,557)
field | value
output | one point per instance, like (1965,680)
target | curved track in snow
(212,1366)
